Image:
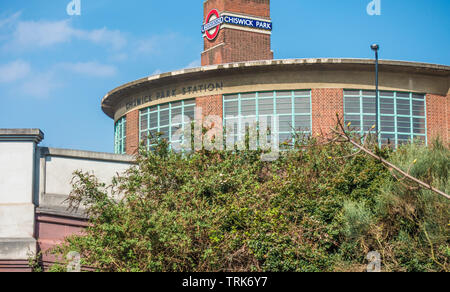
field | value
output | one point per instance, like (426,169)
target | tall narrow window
(402,115)
(120,130)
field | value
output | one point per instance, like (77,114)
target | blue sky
(55,68)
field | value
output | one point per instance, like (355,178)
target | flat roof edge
(275,62)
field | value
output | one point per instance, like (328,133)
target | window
(402,115)
(165,119)
(292,108)
(120,130)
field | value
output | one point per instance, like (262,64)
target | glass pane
(248,95)
(164,133)
(352,105)
(387,124)
(283,93)
(418,108)
(387,106)
(231,108)
(189,102)
(386,93)
(248,107)
(231,97)
(284,105)
(305,93)
(403,125)
(302,123)
(153,120)
(419,126)
(189,112)
(368,105)
(302,105)
(164,118)
(369,121)
(403,107)
(355,120)
(265,106)
(368,93)
(285,124)
(403,94)
(144,122)
(265,94)
(176,112)
(352,92)
(418,96)
(177,104)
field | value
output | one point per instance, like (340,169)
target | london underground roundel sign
(212,24)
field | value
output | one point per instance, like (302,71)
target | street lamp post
(375,48)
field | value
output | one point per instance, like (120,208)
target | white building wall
(36,179)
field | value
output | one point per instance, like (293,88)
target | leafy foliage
(317,208)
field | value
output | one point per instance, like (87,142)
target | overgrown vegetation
(318,208)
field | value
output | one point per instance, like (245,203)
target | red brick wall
(438,120)
(51,230)
(211,105)
(326,102)
(132,144)
(238,46)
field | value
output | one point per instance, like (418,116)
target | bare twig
(386,163)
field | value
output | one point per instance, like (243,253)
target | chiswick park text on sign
(214,20)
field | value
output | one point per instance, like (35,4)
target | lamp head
(375,47)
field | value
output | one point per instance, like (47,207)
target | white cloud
(42,34)
(10,20)
(92,69)
(194,64)
(14,71)
(40,85)
(113,38)
(157,44)
(156,72)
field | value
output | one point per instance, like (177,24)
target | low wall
(35,183)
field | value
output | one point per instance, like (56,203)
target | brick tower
(236,31)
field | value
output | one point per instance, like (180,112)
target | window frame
(120,136)
(275,96)
(171,106)
(395,97)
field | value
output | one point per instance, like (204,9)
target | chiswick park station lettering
(174,92)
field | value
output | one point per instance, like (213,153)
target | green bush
(317,208)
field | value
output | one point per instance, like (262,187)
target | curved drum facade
(304,94)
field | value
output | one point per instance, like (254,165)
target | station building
(238,79)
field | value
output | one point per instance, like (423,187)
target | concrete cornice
(110,100)
(99,156)
(21,135)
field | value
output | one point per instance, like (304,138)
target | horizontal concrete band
(86,155)
(25,135)
(293,74)
(17,249)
